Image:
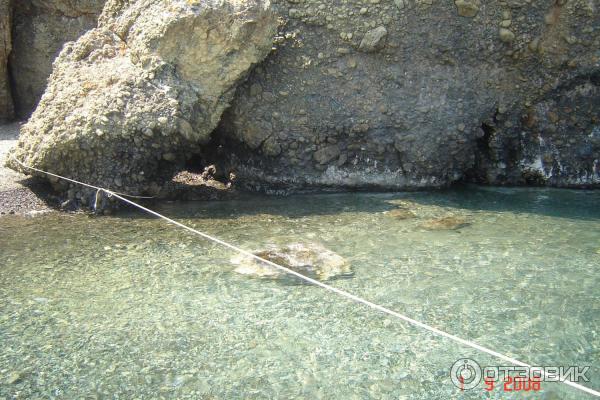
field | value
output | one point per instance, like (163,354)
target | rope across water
(315,282)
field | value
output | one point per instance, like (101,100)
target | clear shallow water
(129,307)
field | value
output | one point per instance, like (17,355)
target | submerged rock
(312,260)
(401,213)
(402,203)
(130,100)
(445,223)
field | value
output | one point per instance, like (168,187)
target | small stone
(373,39)
(169,156)
(14,377)
(506,35)
(271,147)
(255,89)
(467,8)
(326,154)
(148,132)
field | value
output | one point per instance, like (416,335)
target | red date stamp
(514,384)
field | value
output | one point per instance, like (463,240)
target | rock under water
(446,223)
(312,260)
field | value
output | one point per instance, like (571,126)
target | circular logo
(465,374)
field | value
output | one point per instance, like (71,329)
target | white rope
(325,286)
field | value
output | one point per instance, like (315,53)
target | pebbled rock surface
(421,93)
(554,141)
(41,28)
(6,103)
(130,101)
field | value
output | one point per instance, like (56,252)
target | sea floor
(127,306)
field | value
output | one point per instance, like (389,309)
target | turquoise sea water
(128,307)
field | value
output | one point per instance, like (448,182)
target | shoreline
(20,194)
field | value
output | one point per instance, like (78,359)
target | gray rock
(492,92)
(135,71)
(431,106)
(41,28)
(467,8)
(553,142)
(312,260)
(373,39)
(327,154)
(6,103)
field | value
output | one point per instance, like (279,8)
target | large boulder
(41,28)
(6,103)
(134,97)
(422,93)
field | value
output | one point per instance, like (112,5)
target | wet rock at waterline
(192,186)
(312,260)
(130,101)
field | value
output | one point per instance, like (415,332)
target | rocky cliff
(41,28)
(131,99)
(6,103)
(403,94)
(384,94)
